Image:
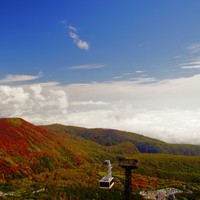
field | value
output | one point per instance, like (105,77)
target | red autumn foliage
(26,149)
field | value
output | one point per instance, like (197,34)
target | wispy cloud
(193,57)
(126,74)
(139,71)
(64,21)
(194,48)
(191,65)
(76,38)
(177,57)
(72,28)
(19,78)
(144,80)
(117,77)
(82,44)
(91,66)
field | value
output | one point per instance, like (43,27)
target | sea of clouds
(168,110)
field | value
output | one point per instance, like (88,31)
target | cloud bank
(37,103)
(168,110)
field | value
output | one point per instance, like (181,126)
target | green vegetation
(15,121)
(165,166)
(35,147)
(8,159)
(38,164)
(110,137)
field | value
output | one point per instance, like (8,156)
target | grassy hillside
(109,137)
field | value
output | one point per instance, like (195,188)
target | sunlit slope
(26,149)
(109,137)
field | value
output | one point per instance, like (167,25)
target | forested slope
(109,137)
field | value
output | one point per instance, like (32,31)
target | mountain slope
(26,149)
(109,137)
(33,159)
(123,148)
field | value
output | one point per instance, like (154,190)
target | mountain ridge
(109,137)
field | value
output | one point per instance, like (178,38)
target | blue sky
(131,65)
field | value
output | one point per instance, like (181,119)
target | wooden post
(128,165)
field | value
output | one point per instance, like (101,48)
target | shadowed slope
(109,137)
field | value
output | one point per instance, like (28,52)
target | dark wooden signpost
(128,165)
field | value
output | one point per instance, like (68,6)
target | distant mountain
(109,137)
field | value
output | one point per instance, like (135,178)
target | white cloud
(126,74)
(194,57)
(117,77)
(38,103)
(191,65)
(18,78)
(168,110)
(139,71)
(90,66)
(74,36)
(143,80)
(73,33)
(175,89)
(174,126)
(82,44)
(76,39)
